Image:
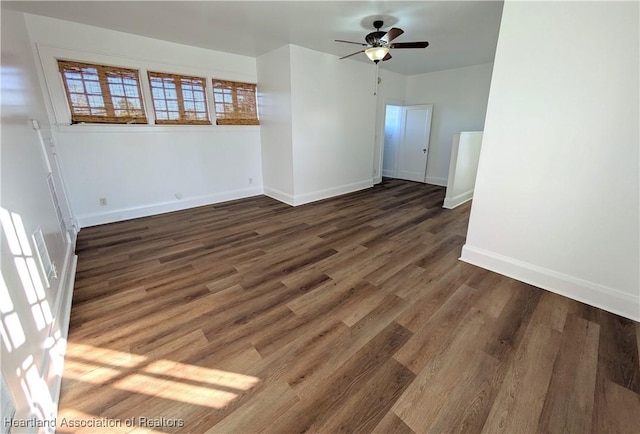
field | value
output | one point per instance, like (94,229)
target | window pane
(118,102)
(90,76)
(170,94)
(75,86)
(157,93)
(93,87)
(116,89)
(96,101)
(131,91)
(134,103)
(79,100)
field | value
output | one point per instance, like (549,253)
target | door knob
(424,150)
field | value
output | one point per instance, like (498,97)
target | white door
(414,146)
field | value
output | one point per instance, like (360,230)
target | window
(235,103)
(106,94)
(179,99)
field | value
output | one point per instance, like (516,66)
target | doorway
(406,141)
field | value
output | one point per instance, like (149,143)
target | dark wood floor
(347,315)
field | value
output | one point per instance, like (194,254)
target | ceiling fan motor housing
(373,38)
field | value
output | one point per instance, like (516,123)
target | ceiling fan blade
(349,42)
(352,54)
(387,57)
(422,44)
(391,35)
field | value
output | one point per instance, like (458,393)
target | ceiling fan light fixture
(376,54)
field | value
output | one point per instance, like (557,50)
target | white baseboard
(301,199)
(279,195)
(452,202)
(55,355)
(86,220)
(436,181)
(609,299)
(388,173)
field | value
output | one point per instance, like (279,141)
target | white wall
(334,120)
(274,85)
(28,351)
(320,122)
(556,201)
(140,169)
(463,168)
(459,98)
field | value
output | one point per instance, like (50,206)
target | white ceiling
(460,33)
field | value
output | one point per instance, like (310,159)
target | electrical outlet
(103,201)
(250,180)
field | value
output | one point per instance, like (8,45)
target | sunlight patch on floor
(163,378)
(213,377)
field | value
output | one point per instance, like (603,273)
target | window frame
(224,118)
(180,99)
(103,73)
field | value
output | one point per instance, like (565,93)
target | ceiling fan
(379,43)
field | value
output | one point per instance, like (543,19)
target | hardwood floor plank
(392,424)
(617,410)
(430,391)
(575,370)
(520,399)
(470,400)
(438,332)
(618,350)
(363,410)
(427,295)
(513,321)
(267,405)
(312,414)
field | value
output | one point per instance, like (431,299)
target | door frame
(382,126)
(404,108)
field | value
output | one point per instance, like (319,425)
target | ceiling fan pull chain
(375,86)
